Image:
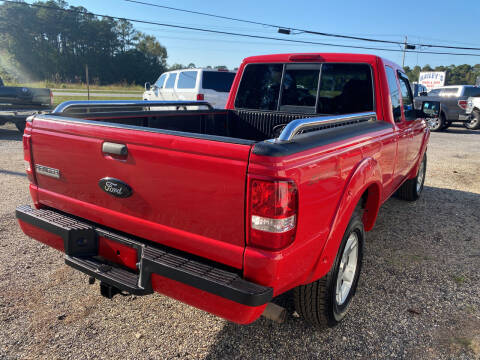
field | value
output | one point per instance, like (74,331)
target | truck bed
(241,126)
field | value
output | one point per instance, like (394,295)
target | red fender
(423,149)
(367,176)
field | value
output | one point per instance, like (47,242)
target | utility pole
(404,50)
(88,83)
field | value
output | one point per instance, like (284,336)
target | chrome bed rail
(296,126)
(114,104)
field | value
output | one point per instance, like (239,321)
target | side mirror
(430,109)
(147,86)
(422,93)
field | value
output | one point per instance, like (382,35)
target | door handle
(114,149)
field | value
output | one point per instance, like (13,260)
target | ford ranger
(225,209)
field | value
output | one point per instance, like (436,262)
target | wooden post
(88,83)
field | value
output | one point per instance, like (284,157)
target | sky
(444,22)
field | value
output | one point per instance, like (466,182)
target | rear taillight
(200,97)
(273,213)
(462,104)
(27,152)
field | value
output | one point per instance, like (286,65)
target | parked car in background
(419,89)
(212,86)
(225,209)
(473,110)
(17,103)
(453,101)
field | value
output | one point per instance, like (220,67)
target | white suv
(212,86)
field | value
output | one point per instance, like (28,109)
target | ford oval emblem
(115,187)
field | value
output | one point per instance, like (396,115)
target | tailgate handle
(115,149)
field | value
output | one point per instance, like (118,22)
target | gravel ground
(418,297)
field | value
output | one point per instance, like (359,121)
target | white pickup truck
(473,109)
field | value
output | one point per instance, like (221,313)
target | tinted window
(471,91)
(259,87)
(345,89)
(300,86)
(161,81)
(171,81)
(407,98)
(434,92)
(217,80)
(394,93)
(187,80)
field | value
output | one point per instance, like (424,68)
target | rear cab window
(187,80)
(220,81)
(329,88)
(171,81)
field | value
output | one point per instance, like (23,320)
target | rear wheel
(446,125)
(474,123)
(325,302)
(412,188)
(436,124)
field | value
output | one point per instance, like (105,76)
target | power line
(301,30)
(229,33)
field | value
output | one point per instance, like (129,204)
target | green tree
(44,44)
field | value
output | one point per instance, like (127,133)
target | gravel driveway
(418,297)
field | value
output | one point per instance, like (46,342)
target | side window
(161,80)
(408,108)
(394,94)
(434,92)
(187,80)
(171,81)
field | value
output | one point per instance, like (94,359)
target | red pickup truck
(226,209)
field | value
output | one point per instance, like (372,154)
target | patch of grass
(462,341)
(459,279)
(85,91)
(60,99)
(66,86)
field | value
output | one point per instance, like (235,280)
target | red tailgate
(187,193)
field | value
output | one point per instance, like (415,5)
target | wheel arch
(364,188)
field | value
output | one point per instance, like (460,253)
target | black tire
(317,302)
(446,125)
(474,123)
(20,126)
(412,188)
(436,124)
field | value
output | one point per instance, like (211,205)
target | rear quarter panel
(322,176)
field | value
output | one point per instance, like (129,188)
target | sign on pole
(432,79)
